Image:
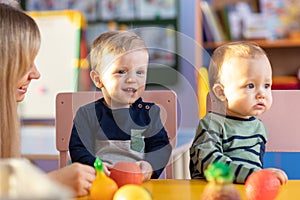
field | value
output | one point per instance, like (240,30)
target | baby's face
(125,79)
(247,86)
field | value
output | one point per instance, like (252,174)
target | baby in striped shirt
(240,78)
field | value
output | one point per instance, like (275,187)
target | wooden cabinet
(284,54)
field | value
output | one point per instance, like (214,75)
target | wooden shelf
(282,53)
(281,43)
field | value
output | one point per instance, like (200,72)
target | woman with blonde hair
(19,45)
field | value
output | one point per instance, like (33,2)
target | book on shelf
(223,14)
(211,23)
(207,34)
(235,19)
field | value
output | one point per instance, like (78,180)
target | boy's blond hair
(110,45)
(227,51)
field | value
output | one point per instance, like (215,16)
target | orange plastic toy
(103,187)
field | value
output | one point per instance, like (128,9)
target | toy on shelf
(220,178)
(285,83)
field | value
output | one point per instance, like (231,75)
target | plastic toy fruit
(131,191)
(262,184)
(103,187)
(126,173)
(220,187)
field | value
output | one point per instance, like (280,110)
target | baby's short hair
(230,50)
(110,44)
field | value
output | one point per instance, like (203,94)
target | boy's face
(247,86)
(123,82)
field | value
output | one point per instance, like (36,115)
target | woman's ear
(218,90)
(96,79)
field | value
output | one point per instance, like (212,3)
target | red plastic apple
(262,185)
(126,173)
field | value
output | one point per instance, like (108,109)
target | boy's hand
(146,169)
(106,168)
(76,176)
(281,175)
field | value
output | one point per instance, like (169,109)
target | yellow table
(192,189)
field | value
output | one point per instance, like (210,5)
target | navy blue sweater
(95,121)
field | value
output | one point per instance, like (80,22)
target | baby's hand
(146,169)
(106,168)
(281,175)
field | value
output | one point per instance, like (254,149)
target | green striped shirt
(238,142)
